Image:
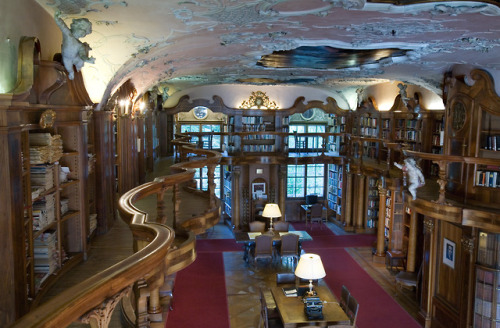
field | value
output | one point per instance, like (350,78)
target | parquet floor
(242,280)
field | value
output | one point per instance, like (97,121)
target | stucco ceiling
(181,44)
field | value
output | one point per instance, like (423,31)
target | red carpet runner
(200,293)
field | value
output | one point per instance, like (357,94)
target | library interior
(268,163)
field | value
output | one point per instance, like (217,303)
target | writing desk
(248,239)
(291,309)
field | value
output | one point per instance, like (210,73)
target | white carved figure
(415,176)
(402,92)
(74,52)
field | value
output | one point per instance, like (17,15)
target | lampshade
(271,211)
(310,267)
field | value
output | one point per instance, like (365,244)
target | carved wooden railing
(93,300)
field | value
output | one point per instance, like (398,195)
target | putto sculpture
(415,176)
(74,52)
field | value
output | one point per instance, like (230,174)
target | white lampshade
(271,211)
(310,267)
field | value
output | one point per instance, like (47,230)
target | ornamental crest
(258,100)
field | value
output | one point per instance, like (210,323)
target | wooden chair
(285,278)
(263,248)
(352,310)
(289,248)
(281,226)
(316,214)
(257,226)
(269,315)
(409,279)
(344,298)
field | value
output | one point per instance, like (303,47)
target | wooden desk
(248,238)
(292,314)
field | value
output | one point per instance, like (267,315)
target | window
(209,141)
(305,180)
(202,180)
(306,143)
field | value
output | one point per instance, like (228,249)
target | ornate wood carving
(102,314)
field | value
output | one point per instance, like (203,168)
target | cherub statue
(402,92)
(415,176)
(74,52)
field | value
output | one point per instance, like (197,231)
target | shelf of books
(394,220)
(227,193)
(372,203)
(487,284)
(336,143)
(52,205)
(335,186)
(489,175)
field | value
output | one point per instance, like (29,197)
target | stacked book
(45,148)
(45,254)
(64,205)
(42,177)
(43,212)
(92,223)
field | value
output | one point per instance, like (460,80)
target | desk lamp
(310,267)
(271,211)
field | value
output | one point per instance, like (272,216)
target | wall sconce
(124,107)
(141,112)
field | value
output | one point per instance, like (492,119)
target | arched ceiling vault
(330,44)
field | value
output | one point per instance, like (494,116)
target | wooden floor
(116,245)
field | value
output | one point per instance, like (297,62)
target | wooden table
(248,238)
(292,314)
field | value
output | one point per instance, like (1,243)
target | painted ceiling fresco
(326,43)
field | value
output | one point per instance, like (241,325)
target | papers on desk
(252,235)
(290,291)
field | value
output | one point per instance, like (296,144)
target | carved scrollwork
(47,119)
(102,314)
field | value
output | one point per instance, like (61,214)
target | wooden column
(104,170)
(382,192)
(211,184)
(412,243)
(360,208)
(282,189)
(236,198)
(176,200)
(348,203)
(429,278)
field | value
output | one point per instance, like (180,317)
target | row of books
(488,179)
(492,142)
(259,148)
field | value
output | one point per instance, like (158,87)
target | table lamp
(271,211)
(310,267)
